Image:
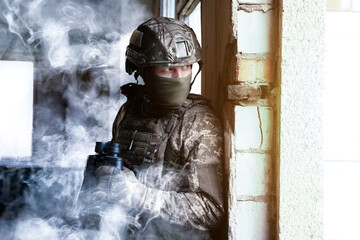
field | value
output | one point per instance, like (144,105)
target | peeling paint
(250,198)
(257,56)
(260,102)
(264,7)
(255,150)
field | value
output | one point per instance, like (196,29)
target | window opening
(167,8)
(16,106)
(194,21)
(341,121)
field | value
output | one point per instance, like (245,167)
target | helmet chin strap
(192,82)
(146,96)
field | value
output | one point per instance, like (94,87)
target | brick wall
(266,85)
(240,42)
(254,106)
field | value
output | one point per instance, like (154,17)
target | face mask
(168,93)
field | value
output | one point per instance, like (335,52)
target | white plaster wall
(300,166)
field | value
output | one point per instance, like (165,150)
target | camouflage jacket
(180,153)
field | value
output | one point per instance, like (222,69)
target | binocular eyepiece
(107,154)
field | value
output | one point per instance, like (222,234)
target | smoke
(74,33)
(78,49)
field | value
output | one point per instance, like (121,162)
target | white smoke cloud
(78,49)
(73,33)
(36,229)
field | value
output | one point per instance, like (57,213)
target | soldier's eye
(186,67)
(167,69)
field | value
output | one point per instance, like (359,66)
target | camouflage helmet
(162,42)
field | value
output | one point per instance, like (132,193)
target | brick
(252,221)
(253,175)
(250,70)
(244,92)
(253,128)
(256,31)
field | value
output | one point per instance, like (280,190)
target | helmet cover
(162,42)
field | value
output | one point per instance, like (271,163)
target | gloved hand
(120,187)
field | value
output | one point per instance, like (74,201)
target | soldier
(171,140)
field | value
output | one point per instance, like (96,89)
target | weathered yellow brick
(255,70)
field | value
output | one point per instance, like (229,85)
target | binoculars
(107,154)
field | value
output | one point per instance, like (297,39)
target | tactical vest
(144,137)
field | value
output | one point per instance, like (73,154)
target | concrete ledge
(244,92)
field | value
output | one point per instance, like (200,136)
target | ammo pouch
(139,146)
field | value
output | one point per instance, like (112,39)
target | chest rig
(143,132)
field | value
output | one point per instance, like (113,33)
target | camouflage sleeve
(200,205)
